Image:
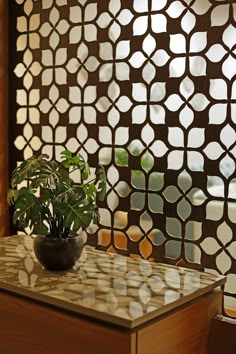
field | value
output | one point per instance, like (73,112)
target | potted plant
(54,206)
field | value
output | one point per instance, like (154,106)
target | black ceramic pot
(58,254)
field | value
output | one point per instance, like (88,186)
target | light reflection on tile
(108,285)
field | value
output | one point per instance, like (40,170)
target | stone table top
(113,288)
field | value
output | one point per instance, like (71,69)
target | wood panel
(4,217)
(223,336)
(186,331)
(30,328)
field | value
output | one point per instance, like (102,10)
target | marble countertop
(113,288)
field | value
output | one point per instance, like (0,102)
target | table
(215,211)
(107,304)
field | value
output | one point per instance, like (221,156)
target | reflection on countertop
(106,286)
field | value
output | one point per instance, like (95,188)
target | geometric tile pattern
(148,88)
(117,289)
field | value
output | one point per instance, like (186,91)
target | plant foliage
(51,203)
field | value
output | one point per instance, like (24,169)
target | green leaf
(121,157)
(70,190)
(12,195)
(101,180)
(51,202)
(90,191)
(96,216)
(76,213)
(45,195)
(85,172)
(48,176)
(70,160)
(29,211)
(76,162)
(39,228)
(26,169)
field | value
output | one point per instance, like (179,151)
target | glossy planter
(58,254)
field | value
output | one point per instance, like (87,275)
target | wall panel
(148,89)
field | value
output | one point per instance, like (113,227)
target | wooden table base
(29,327)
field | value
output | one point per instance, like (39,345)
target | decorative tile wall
(148,89)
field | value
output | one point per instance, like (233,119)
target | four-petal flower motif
(188,10)
(28,28)
(114,59)
(114,19)
(149,59)
(181,195)
(225,52)
(27,69)
(114,103)
(82,64)
(157,20)
(224,150)
(54,28)
(53,105)
(184,56)
(177,149)
(139,181)
(223,245)
(187,102)
(85,27)
(225,106)
(147,99)
(28,115)
(53,63)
